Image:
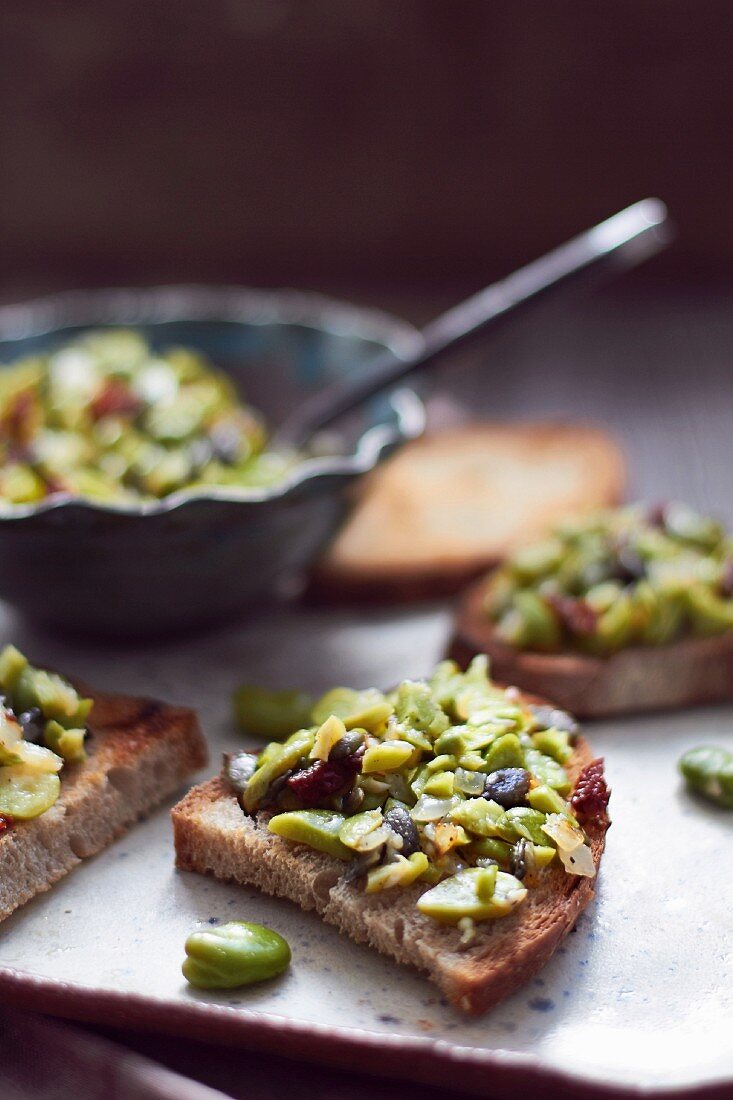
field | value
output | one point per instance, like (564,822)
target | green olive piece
(272,715)
(234,954)
(708,769)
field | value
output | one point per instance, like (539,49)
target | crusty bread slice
(454,503)
(691,671)
(213,835)
(139,753)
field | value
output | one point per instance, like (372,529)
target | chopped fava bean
(388,756)
(68,743)
(273,715)
(367,710)
(708,769)
(554,743)
(356,830)
(318,829)
(401,872)
(526,823)
(547,800)
(280,760)
(461,896)
(440,785)
(25,794)
(505,752)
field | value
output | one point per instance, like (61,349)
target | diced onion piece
(431,809)
(471,783)
(575,854)
(579,861)
(566,836)
(374,839)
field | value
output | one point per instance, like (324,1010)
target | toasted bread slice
(456,502)
(139,752)
(639,678)
(213,835)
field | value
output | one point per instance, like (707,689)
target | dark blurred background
(418,145)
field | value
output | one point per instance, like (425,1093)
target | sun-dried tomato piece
(726,581)
(656,514)
(576,615)
(591,794)
(6,823)
(18,422)
(324,778)
(115,399)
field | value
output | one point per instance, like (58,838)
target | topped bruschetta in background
(623,611)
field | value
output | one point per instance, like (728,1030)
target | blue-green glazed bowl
(199,557)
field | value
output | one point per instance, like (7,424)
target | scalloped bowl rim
(166,304)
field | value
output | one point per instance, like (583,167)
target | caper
(234,954)
(507,786)
(708,769)
(546,718)
(350,743)
(32,723)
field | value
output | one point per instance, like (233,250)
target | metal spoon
(627,238)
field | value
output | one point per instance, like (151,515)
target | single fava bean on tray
(234,954)
(708,770)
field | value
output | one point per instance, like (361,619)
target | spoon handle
(630,236)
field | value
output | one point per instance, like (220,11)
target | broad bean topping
(615,579)
(42,729)
(428,785)
(108,417)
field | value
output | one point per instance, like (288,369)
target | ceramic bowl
(199,557)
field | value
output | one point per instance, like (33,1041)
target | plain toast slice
(139,753)
(213,835)
(456,502)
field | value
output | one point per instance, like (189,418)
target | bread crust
(639,678)
(139,752)
(455,503)
(214,836)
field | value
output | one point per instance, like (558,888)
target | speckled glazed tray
(638,999)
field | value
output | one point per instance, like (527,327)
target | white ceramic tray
(640,997)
